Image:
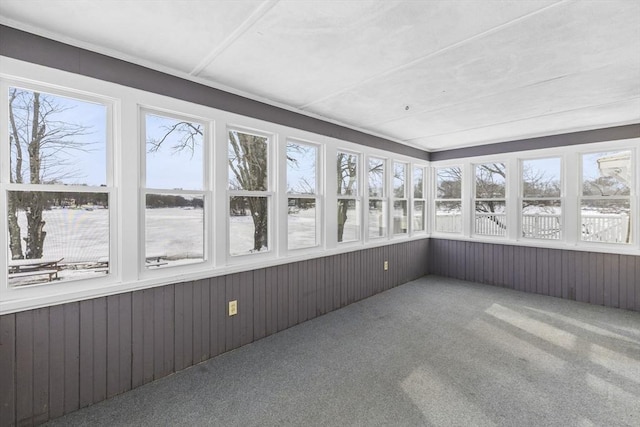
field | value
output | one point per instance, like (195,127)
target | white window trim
(357,197)
(205,191)
(383,198)
(413,199)
(317,196)
(522,198)
(436,199)
(269,193)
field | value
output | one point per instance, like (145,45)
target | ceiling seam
(480,98)
(255,16)
(519,120)
(438,52)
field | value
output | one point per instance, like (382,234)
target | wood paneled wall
(596,278)
(58,359)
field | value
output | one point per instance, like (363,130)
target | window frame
(522,198)
(357,197)
(384,199)
(405,198)
(631,198)
(424,199)
(206,191)
(317,195)
(505,200)
(269,194)
(109,188)
(437,199)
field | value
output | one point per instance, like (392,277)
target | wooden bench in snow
(34,267)
(50,273)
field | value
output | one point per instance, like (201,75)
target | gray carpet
(435,351)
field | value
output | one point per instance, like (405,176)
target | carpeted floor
(435,351)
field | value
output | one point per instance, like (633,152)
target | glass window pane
(400,217)
(418,215)
(174,229)
(57,236)
(173,145)
(348,220)
(301,168)
(248,162)
(491,218)
(607,221)
(301,223)
(376,177)
(449,217)
(607,173)
(347,165)
(399,178)
(377,218)
(449,182)
(248,225)
(542,177)
(541,219)
(69,146)
(418,182)
(490,181)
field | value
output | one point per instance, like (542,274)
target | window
(174,202)
(541,198)
(448,202)
(400,203)
(348,197)
(490,199)
(377,219)
(249,195)
(302,212)
(59,192)
(605,202)
(419,199)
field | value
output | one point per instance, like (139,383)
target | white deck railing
(610,228)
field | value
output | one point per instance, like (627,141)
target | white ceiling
(430,74)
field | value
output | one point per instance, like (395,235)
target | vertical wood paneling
(148,337)
(555,272)
(218,316)
(99,349)
(124,337)
(542,271)
(600,279)
(319,307)
(86,353)
(294,288)
(259,303)
(593,278)
(137,339)
(8,369)
(168,297)
(187,325)
(358,280)
(232,286)
(636,286)
(56,361)
(179,340)
(24,367)
(40,365)
(113,345)
(71,357)
(283,296)
(312,288)
(196,332)
(246,314)
(612,280)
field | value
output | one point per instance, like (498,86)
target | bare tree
(347,179)
(37,131)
